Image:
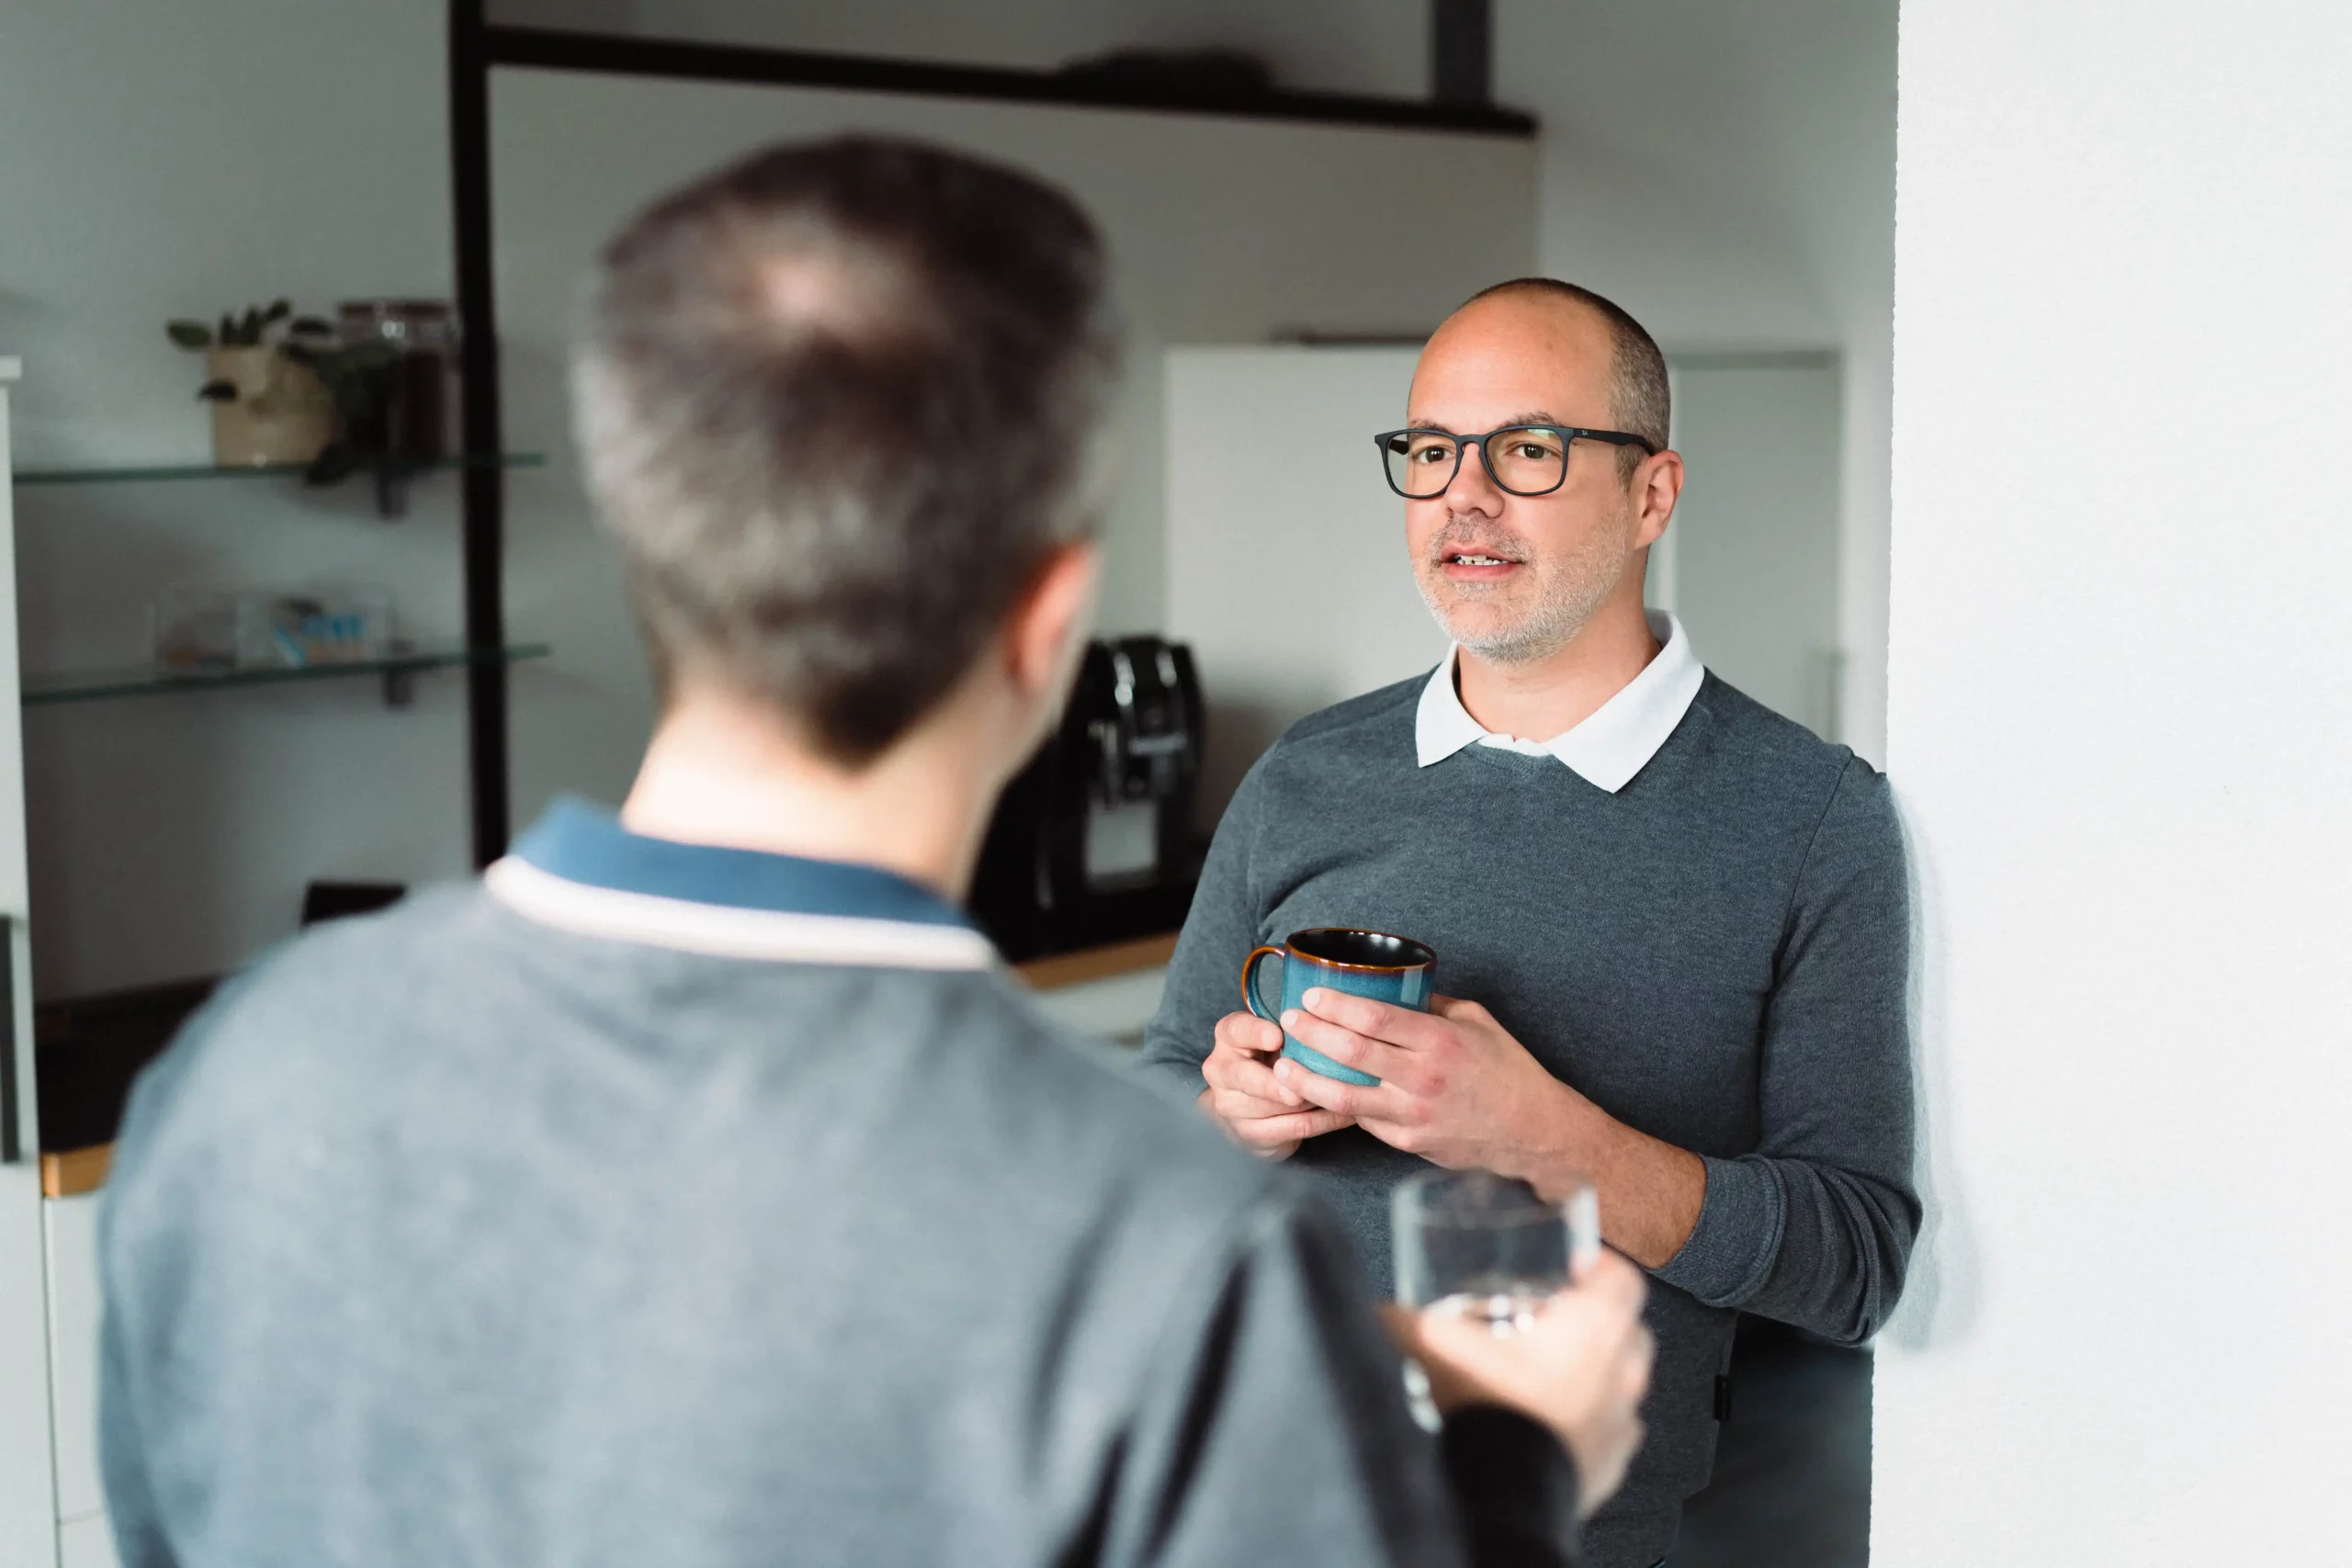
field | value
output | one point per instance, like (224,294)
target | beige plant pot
(282,413)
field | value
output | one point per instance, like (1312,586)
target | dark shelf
(555,49)
(396,669)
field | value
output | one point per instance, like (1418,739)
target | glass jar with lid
(413,417)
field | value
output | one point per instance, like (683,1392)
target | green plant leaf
(249,330)
(279,310)
(227,337)
(189,334)
(218,392)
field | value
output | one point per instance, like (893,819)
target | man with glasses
(1670,925)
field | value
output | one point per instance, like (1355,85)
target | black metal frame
(476,47)
(484,502)
(1463,443)
(559,51)
(1462,51)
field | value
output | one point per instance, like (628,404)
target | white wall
(168,160)
(2120,730)
(1349,46)
(1725,171)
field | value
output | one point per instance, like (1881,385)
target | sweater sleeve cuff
(1514,1485)
(1731,1249)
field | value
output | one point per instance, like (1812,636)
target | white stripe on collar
(1616,741)
(777,935)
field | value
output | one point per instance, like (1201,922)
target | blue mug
(1392,969)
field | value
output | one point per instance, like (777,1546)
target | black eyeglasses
(1522,459)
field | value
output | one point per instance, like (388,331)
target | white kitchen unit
(29,1518)
(86,1543)
(1110,1009)
(72,1228)
(1755,569)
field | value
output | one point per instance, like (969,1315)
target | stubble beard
(1564,591)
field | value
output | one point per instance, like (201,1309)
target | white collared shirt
(1613,744)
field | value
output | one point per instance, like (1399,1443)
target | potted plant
(357,379)
(267,406)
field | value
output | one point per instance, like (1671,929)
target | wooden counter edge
(1097,962)
(75,1170)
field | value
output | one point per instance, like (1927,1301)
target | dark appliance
(1093,841)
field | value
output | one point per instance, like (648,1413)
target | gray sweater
(450,1238)
(1715,955)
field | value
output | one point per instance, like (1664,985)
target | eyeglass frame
(1463,443)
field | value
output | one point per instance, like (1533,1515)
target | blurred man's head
(841,405)
(1515,578)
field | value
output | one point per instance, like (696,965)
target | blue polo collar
(578,868)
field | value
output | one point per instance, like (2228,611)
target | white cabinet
(1755,561)
(73,1227)
(86,1543)
(27,1489)
(1114,1009)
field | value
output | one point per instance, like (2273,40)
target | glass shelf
(396,669)
(124,473)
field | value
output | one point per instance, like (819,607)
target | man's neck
(720,771)
(1541,699)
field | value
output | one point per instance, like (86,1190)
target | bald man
(1670,924)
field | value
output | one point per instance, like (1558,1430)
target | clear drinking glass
(1487,1246)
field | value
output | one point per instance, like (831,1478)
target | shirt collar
(1613,743)
(579,869)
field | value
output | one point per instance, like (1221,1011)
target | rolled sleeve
(1731,1249)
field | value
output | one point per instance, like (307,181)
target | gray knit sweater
(450,1238)
(1714,955)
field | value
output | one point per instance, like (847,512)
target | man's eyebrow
(1538,417)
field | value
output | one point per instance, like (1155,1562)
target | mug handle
(1249,983)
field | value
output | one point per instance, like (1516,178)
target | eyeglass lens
(1529,460)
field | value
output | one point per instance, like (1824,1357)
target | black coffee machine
(1093,841)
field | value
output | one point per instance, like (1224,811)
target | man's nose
(1474,489)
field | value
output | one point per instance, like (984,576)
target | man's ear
(1659,485)
(1052,620)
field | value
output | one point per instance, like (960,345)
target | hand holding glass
(1486,1247)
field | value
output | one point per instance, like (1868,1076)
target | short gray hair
(837,402)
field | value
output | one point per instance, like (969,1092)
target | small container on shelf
(206,631)
(411,421)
